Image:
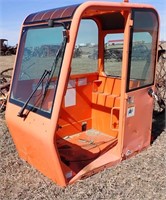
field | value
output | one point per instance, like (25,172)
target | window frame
(130,49)
(97,46)
(18,64)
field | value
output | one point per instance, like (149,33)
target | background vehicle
(5,49)
(160,82)
(73,116)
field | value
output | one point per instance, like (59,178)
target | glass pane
(143,48)
(37,54)
(85,57)
(113,54)
(140,56)
(40,49)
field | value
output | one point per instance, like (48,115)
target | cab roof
(55,14)
(67,12)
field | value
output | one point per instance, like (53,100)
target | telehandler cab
(81,96)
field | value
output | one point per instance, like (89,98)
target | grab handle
(111,121)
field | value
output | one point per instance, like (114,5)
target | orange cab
(79,100)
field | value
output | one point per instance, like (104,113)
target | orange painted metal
(95,133)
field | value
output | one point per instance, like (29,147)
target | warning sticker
(70,97)
(82,81)
(131,112)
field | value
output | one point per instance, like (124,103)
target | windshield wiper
(45,73)
(54,65)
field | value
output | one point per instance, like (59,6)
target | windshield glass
(38,52)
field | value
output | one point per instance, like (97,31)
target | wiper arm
(45,73)
(53,68)
(57,56)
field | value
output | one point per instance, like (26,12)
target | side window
(113,54)
(85,56)
(143,48)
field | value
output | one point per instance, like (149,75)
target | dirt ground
(142,177)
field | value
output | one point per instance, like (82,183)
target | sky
(13,13)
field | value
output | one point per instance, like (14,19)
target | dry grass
(6,62)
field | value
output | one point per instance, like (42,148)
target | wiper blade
(54,65)
(21,112)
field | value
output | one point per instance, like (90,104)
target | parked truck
(6,50)
(73,116)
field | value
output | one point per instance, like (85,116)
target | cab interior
(89,117)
